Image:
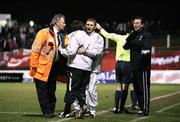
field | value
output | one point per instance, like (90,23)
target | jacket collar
(51,30)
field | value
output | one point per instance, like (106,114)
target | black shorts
(123,72)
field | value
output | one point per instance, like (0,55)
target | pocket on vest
(42,67)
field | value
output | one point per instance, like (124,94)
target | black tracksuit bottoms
(141,81)
(76,86)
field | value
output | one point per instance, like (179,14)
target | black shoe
(125,111)
(136,107)
(142,113)
(62,115)
(73,113)
(116,111)
(92,116)
(80,114)
(48,115)
(88,113)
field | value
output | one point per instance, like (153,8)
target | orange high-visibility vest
(42,55)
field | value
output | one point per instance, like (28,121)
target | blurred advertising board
(165,67)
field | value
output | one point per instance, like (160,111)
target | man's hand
(144,52)
(60,47)
(81,50)
(98,26)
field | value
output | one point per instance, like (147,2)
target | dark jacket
(138,41)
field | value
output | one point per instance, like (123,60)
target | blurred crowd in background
(16,35)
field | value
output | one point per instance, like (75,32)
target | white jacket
(77,39)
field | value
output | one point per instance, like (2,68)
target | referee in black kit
(139,43)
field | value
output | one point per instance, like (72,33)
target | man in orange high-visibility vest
(45,62)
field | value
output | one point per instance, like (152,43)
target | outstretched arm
(111,36)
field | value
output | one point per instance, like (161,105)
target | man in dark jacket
(139,43)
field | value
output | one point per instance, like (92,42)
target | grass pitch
(19,103)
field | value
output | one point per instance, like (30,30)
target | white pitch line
(140,118)
(169,107)
(36,113)
(156,98)
(61,120)
(102,112)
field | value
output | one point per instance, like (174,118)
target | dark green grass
(20,102)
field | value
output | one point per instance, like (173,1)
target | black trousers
(141,82)
(46,91)
(76,86)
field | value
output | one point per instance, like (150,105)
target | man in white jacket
(80,67)
(91,94)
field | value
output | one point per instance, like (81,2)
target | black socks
(117,98)
(124,94)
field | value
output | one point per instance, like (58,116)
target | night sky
(114,10)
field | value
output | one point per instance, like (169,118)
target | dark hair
(139,17)
(56,18)
(92,19)
(76,25)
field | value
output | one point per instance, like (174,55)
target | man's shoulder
(98,35)
(43,31)
(78,32)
